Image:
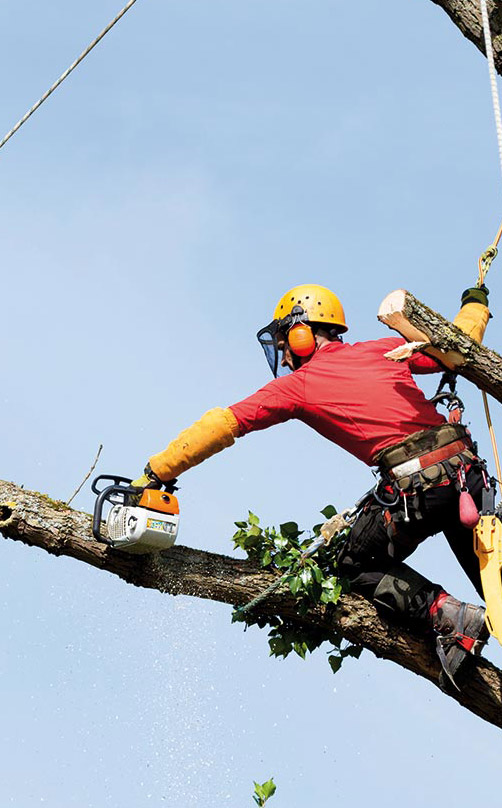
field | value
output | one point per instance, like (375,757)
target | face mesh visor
(267,338)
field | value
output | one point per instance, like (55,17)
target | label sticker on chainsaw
(159,524)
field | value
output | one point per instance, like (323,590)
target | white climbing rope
(483,270)
(66,73)
(493,75)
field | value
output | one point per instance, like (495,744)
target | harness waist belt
(424,456)
(416,464)
(422,443)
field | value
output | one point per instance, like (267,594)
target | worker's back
(351,394)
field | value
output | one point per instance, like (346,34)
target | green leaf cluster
(264,791)
(312,581)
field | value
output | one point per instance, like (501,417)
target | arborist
(372,407)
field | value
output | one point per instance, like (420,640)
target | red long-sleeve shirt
(350,394)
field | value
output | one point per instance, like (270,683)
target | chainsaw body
(145,526)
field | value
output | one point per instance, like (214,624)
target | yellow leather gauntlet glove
(216,430)
(473,317)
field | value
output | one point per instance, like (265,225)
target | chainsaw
(145,525)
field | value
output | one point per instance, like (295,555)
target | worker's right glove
(216,430)
(148,479)
(473,317)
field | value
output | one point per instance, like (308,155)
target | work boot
(460,629)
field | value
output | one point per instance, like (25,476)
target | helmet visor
(267,337)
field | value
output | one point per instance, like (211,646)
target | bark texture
(466,14)
(414,321)
(38,521)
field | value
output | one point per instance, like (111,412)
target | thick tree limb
(415,322)
(41,522)
(466,14)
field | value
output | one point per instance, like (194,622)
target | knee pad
(398,587)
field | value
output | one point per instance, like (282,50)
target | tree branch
(466,14)
(414,321)
(50,525)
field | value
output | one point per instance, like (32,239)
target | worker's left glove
(475,294)
(473,317)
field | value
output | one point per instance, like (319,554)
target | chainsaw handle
(114,477)
(104,496)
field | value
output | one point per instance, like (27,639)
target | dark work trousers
(372,549)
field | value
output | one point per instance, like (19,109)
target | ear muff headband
(301,340)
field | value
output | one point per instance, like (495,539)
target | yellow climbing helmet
(319,304)
(296,310)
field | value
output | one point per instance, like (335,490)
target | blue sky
(204,159)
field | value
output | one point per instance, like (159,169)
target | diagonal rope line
(66,73)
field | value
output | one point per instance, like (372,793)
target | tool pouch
(428,458)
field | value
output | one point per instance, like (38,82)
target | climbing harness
(426,459)
(66,73)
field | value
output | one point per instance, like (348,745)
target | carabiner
(382,502)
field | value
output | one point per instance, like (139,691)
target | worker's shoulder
(377,345)
(289,384)
(364,347)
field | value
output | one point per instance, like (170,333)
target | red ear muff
(301,340)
